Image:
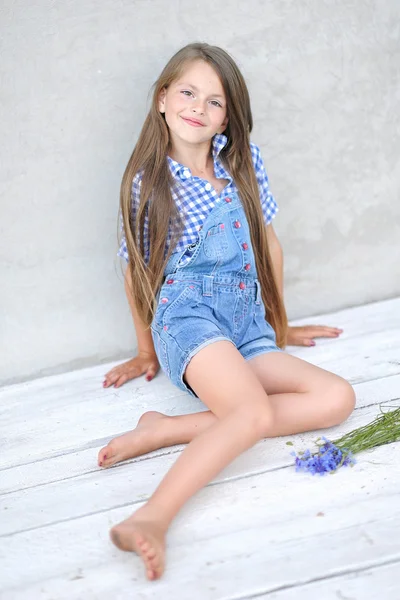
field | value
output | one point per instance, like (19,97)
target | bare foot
(146,539)
(146,437)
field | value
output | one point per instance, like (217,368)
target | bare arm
(275,250)
(146,360)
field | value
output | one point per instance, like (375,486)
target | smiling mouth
(193,122)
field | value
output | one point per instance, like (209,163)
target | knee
(342,400)
(259,418)
(346,399)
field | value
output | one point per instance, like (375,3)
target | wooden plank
(244,538)
(359,320)
(37,432)
(101,490)
(356,359)
(58,418)
(366,584)
(81,459)
(81,385)
(129,487)
(256,533)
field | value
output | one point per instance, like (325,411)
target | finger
(323,334)
(327,328)
(114,377)
(119,368)
(133,372)
(298,341)
(128,373)
(151,373)
(111,376)
(335,330)
(107,381)
(121,380)
(327,334)
(111,372)
(321,331)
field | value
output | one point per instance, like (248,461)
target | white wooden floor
(260,530)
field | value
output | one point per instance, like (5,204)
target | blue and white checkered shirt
(195,197)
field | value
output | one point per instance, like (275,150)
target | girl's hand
(144,362)
(304,336)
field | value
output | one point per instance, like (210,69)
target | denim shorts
(211,293)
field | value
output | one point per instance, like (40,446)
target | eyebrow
(197,89)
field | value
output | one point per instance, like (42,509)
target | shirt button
(245,246)
(247,267)
(170,281)
(164,300)
(242,285)
(237,224)
(208,186)
(228,199)
(186,173)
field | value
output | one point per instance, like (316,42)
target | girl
(196,212)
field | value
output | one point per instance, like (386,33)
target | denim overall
(213,295)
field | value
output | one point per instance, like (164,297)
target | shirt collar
(219,141)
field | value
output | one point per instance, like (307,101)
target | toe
(145,547)
(154,564)
(110,449)
(160,564)
(115,537)
(151,574)
(108,455)
(150,569)
(158,571)
(101,457)
(139,539)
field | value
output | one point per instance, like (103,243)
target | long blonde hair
(150,158)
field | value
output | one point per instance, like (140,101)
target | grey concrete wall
(74,78)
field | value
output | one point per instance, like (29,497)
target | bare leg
(144,438)
(153,431)
(239,426)
(236,426)
(303,397)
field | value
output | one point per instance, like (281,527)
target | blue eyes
(189,93)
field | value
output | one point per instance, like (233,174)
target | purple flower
(327,460)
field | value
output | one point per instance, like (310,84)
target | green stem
(383,430)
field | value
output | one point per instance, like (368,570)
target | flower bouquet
(331,455)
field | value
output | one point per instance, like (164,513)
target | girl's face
(195,105)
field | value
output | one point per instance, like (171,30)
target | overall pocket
(188,255)
(172,297)
(216,242)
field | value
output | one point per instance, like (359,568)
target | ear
(161,100)
(223,125)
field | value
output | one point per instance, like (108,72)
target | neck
(197,157)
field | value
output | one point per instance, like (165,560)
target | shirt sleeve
(135,200)
(268,203)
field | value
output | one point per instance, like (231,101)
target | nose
(198,108)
